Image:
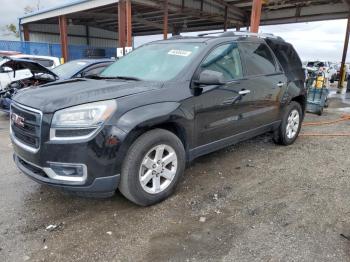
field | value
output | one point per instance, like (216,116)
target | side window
(258,59)
(94,70)
(226,60)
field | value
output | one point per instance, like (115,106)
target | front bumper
(100,187)
(88,165)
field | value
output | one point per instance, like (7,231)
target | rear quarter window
(288,58)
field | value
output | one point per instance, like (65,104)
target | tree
(30,9)
(11,30)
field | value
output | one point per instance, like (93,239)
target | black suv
(135,126)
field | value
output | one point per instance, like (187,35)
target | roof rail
(176,37)
(260,35)
(216,33)
(243,33)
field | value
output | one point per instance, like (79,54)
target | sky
(313,41)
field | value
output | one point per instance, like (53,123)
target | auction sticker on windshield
(179,52)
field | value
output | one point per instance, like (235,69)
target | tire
(320,111)
(138,164)
(280,136)
(326,103)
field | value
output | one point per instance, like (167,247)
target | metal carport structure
(147,17)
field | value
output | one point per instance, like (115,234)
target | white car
(7,74)
(49,62)
(329,68)
(13,70)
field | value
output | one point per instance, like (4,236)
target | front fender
(150,115)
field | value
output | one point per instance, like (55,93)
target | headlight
(81,121)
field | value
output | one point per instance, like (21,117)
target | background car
(12,70)
(82,68)
(328,68)
(16,74)
(347,71)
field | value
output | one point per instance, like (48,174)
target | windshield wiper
(115,77)
(128,78)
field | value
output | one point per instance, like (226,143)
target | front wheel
(290,126)
(152,167)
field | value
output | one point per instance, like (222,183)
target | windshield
(68,69)
(154,62)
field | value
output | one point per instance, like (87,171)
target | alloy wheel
(293,123)
(158,169)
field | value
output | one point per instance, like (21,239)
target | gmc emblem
(18,120)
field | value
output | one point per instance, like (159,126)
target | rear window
(42,61)
(258,59)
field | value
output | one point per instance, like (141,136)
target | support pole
(26,33)
(122,24)
(165,20)
(226,19)
(87,33)
(128,23)
(345,51)
(63,36)
(256,16)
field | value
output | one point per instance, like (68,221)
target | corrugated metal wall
(77,35)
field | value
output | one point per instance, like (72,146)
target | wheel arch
(302,100)
(168,116)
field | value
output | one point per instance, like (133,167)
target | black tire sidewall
(133,160)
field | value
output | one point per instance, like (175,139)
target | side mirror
(209,77)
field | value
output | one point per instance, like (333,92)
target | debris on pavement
(346,237)
(109,233)
(51,228)
(202,219)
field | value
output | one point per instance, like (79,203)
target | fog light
(74,173)
(61,170)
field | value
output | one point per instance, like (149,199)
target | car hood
(62,94)
(33,67)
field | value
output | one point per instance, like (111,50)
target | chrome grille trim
(12,135)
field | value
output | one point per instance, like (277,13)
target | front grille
(27,128)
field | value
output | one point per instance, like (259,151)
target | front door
(218,107)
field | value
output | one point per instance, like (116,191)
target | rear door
(266,81)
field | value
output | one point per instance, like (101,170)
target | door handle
(244,92)
(280,84)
